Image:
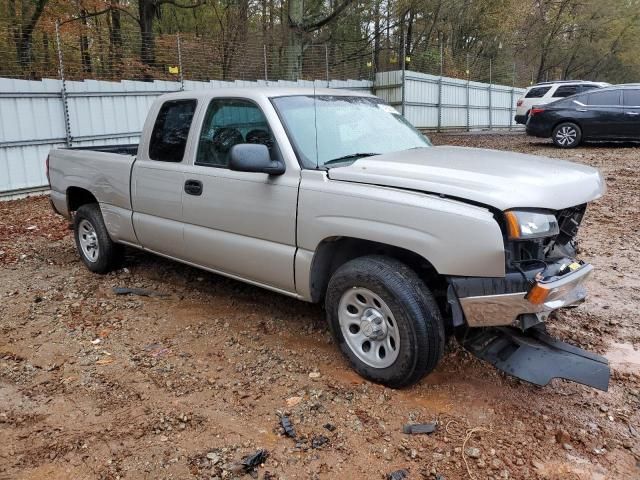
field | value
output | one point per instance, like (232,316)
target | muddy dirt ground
(99,386)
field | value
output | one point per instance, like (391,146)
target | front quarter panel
(455,237)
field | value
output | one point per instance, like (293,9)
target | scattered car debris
(251,462)
(287,426)
(398,475)
(329,426)
(419,428)
(318,441)
(143,292)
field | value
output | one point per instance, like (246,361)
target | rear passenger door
(157,180)
(240,223)
(605,116)
(631,102)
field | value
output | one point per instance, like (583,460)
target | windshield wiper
(351,156)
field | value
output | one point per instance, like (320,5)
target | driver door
(239,223)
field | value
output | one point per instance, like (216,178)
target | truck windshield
(338,130)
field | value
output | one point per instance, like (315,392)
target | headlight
(523,225)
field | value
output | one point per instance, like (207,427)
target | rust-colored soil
(99,386)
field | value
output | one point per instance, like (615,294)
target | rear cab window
(171,130)
(537,92)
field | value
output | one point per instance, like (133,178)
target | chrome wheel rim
(566,135)
(369,327)
(88,239)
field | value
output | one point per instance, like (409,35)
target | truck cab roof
(262,93)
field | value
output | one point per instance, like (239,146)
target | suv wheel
(567,135)
(98,252)
(385,320)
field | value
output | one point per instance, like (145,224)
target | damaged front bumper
(509,312)
(488,302)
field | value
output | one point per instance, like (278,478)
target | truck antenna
(315,123)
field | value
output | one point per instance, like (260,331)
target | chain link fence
(76,51)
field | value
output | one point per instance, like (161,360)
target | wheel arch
(78,196)
(332,252)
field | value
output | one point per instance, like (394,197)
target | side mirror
(252,157)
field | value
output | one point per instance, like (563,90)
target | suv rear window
(566,91)
(537,92)
(170,132)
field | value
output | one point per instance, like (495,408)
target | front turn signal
(538,294)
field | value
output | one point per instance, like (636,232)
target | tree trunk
(85,55)
(147,10)
(376,38)
(115,35)
(296,39)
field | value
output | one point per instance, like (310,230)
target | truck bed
(125,149)
(104,171)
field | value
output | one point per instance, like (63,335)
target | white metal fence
(36,116)
(435,103)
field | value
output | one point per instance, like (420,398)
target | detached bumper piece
(536,357)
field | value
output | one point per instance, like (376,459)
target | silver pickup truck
(332,196)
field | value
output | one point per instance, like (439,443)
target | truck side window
(171,130)
(228,122)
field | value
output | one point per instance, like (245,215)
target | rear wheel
(385,320)
(98,252)
(567,135)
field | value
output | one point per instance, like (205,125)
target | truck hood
(495,178)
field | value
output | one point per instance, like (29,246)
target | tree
(302,22)
(148,11)
(25,22)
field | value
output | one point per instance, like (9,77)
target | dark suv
(611,113)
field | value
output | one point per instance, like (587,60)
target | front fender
(455,237)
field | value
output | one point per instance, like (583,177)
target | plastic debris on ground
(398,475)
(143,292)
(318,441)
(251,462)
(287,426)
(419,428)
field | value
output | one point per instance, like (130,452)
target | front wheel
(98,252)
(567,135)
(385,320)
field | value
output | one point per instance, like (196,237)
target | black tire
(567,135)
(107,253)
(419,322)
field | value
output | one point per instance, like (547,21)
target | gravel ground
(94,385)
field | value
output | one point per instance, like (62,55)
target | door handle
(193,187)
(633,114)
(581,109)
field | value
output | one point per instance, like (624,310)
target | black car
(611,113)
